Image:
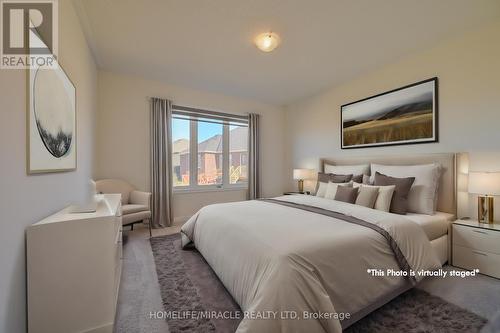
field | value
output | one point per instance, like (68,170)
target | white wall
(26,199)
(468,68)
(123,135)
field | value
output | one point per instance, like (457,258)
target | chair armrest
(140,198)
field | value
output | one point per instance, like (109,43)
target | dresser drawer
(477,238)
(487,263)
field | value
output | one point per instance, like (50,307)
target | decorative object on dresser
(477,246)
(74,268)
(405,115)
(136,205)
(300,175)
(486,184)
(89,205)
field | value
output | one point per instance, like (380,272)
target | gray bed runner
(400,258)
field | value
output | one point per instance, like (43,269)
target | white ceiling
(207,44)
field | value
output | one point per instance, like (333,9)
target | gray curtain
(161,162)
(253,157)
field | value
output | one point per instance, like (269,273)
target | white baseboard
(107,328)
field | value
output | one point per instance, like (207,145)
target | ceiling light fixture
(267,41)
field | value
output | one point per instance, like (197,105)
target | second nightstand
(477,245)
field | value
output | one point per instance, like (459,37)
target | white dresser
(477,245)
(74,269)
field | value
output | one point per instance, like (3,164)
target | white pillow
(331,189)
(422,198)
(360,169)
(384,197)
(321,190)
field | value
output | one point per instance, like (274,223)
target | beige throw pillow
(321,191)
(331,189)
(384,198)
(367,196)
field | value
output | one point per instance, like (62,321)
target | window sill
(210,189)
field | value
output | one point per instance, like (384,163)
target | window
(209,149)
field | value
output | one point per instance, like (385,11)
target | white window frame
(193,163)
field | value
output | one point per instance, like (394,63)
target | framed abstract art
(51,119)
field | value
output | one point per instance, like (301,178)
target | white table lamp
(487,185)
(300,175)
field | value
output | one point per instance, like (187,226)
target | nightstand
(291,193)
(477,245)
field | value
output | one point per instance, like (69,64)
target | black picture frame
(435,118)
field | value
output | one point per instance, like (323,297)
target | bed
(436,228)
(300,263)
(440,223)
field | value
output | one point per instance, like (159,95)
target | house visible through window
(180,151)
(209,152)
(238,152)
(209,149)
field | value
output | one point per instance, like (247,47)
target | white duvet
(278,261)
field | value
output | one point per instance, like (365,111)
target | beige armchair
(136,205)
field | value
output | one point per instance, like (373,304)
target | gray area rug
(418,311)
(188,283)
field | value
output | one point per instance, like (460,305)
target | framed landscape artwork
(51,119)
(407,115)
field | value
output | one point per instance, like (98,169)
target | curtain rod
(239,123)
(208,116)
(208,112)
(191,109)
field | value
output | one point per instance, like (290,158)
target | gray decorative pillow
(422,198)
(346,194)
(330,177)
(357,178)
(340,178)
(399,204)
(367,196)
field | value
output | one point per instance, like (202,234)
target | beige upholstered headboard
(447,188)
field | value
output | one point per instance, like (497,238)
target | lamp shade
(299,174)
(486,183)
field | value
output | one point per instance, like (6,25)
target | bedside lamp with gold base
(487,185)
(300,175)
